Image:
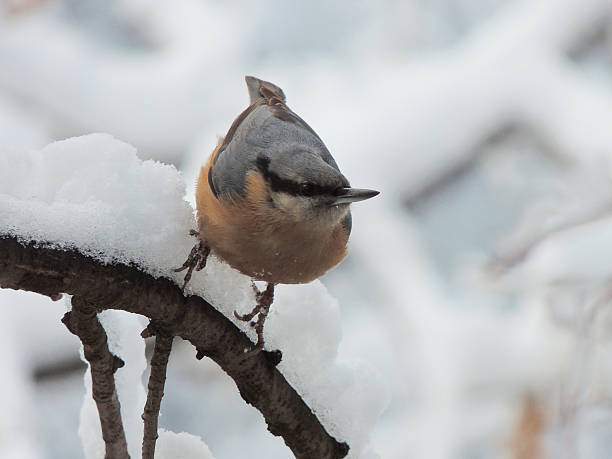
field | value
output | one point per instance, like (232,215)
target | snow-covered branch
(45,270)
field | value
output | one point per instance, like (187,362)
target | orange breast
(254,238)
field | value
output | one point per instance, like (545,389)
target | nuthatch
(271,201)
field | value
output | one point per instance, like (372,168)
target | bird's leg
(264,301)
(256,309)
(196,260)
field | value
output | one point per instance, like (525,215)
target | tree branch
(49,271)
(83,322)
(157,379)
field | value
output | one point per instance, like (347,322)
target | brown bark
(157,380)
(527,439)
(83,322)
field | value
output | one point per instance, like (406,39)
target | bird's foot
(195,261)
(264,301)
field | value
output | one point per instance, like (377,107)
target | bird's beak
(348,195)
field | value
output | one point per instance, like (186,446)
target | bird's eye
(307,189)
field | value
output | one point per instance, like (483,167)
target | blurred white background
(478,281)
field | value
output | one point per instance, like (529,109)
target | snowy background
(477,286)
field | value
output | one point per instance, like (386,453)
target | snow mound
(182,445)
(93,193)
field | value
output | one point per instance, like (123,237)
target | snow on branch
(46,270)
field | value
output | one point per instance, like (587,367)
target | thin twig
(157,379)
(83,322)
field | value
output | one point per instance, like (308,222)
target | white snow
(105,197)
(347,397)
(182,445)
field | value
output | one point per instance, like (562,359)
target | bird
(271,201)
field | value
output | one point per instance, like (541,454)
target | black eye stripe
(307,189)
(279,184)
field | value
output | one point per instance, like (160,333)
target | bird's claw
(195,261)
(264,301)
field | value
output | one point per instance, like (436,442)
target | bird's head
(301,177)
(303,186)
